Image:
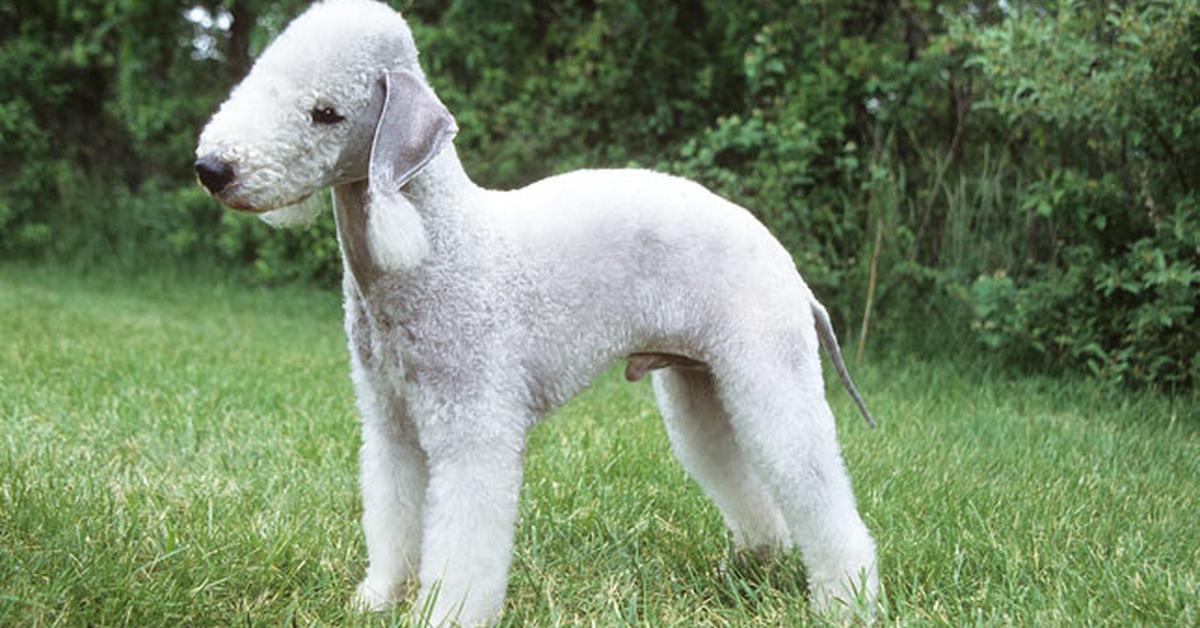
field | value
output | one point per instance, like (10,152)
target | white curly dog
(472,313)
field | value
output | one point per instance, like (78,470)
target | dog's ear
(413,127)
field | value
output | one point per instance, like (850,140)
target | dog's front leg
(469,519)
(393,479)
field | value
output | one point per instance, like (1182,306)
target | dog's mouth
(230,198)
(238,205)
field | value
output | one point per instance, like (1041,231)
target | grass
(182,451)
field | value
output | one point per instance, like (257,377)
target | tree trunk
(238,54)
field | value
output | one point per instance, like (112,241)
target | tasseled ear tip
(395,233)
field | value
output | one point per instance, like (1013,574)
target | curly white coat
(473,313)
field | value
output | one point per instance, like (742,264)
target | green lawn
(181,451)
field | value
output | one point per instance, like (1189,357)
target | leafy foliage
(1105,105)
(1030,167)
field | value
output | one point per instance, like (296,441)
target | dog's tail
(830,342)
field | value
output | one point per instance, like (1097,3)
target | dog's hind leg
(393,478)
(702,439)
(785,427)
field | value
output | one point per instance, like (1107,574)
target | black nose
(214,173)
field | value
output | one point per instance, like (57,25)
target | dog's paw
(761,551)
(842,602)
(373,597)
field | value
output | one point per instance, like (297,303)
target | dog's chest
(443,342)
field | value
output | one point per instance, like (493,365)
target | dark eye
(325,115)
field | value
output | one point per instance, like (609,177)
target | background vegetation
(1025,172)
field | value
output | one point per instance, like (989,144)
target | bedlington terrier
(473,313)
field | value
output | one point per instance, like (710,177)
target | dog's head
(338,97)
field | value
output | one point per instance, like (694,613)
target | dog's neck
(446,200)
(442,187)
(442,196)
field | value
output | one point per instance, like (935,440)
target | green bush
(1030,168)
(1106,103)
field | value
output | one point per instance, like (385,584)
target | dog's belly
(638,364)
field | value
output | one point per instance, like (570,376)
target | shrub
(1030,168)
(1104,104)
